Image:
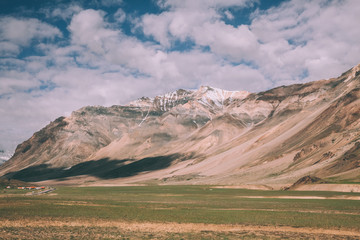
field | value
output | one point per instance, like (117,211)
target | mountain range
(204,136)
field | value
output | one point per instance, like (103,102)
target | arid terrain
(205,136)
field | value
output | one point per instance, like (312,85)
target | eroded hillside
(207,136)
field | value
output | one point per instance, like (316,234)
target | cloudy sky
(57,56)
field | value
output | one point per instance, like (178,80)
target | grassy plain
(178,212)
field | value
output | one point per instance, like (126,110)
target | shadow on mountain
(104,168)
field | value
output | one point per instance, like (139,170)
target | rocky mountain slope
(206,136)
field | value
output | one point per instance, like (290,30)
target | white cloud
(157,26)
(229,15)
(14,81)
(88,29)
(120,15)
(22,31)
(204,28)
(66,12)
(197,68)
(304,36)
(8,49)
(169,70)
(235,43)
(286,43)
(203,4)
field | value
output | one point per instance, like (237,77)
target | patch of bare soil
(98,229)
(345,197)
(286,210)
(330,187)
(246,186)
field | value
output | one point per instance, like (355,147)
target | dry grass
(100,229)
(179,212)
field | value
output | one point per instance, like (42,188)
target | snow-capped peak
(205,95)
(210,95)
(163,102)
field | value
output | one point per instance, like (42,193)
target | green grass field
(173,204)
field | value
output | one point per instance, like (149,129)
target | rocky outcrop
(303,181)
(214,136)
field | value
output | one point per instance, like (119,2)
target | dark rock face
(307,180)
(304,180)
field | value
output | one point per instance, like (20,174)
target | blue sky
(57,56)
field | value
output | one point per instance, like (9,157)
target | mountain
(204,136)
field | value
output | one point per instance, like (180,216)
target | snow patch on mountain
(209,97)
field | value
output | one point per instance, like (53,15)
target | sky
(58,56)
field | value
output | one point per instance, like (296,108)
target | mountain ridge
(204,136)
(206,95)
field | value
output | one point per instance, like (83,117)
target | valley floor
(178,212)
(49,229)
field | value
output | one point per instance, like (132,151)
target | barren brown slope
(208,136)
